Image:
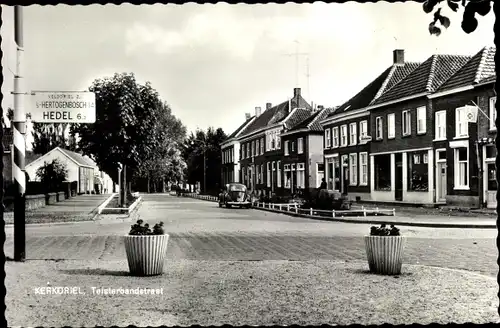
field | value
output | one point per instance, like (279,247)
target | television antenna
(297,54)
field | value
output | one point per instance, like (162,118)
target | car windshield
(237,188)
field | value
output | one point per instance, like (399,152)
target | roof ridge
(482,62)
(431,73)
(384,84)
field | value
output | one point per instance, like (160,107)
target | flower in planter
(144,230)
(384,231)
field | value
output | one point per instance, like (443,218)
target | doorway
(398,193)
(491,188)
(441,181)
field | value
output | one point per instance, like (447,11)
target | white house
(80,168)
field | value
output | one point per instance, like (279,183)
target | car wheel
(228,206)
(220,204)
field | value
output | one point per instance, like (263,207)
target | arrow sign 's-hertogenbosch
(63,107)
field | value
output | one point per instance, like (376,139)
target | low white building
(80,168)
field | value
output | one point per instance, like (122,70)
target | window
(262,173)
(288,176)
(461,168)
(441,125)
(300,145)
(328,140)
(335,132)
(382,172)
(273,140)
(493,113)
(257,147)
(353,169)
(406,123)
(268,174)
(253,148)
(418,176)
(279,174)
(343,135)
(363,128)
(379,125)
(353,134)
(262,146)
(278,140)
(421,120)
(286,148)
(391,126)
(293,146)
(363,169)
(248,151)
(425,159)
(301,178)
(461,124)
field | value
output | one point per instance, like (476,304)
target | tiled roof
(276,114)
(377,87)
(312,122)
(232,135)
(80,159)
(479,68)
(426,78)
(299,115)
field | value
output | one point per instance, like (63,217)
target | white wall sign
(62,107)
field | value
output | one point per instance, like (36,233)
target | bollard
(393,212)
(311,211)
(296,209)
(333,213)
(288,207)
(280,207)
(364,211)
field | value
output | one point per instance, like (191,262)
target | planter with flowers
(146,249)
(384,250)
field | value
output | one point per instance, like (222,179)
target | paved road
(201,230)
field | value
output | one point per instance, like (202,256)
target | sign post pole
(19,129)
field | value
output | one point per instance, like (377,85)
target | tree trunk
(163,185)
(148,182)
(124,189)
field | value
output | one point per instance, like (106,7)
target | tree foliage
(49,136)
(469,21)
(52,174)
(133,127)
(198,145)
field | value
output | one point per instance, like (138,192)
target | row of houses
(420,133)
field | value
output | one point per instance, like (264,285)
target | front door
(398,194)
(491,188)
(441,182)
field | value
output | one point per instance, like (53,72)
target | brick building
(230,149)
(261,152)
(465,170)
(303,166)
(349,130)
(402,154)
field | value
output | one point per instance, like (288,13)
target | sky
(214,63)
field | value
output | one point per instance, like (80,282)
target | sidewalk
(418,218)
(79,208)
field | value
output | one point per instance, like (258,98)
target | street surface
(200,230)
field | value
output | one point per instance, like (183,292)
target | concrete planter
(146,254)
(385,254)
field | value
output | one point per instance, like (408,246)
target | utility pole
(204,169)
(19,129)
(297,54)
(308,75)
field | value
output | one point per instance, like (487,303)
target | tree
(164,161)
(52,174)
(49,136)
(469,21)
(204,148)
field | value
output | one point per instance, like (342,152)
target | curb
(389,221)
(127,210)
(130,216)
(105,203)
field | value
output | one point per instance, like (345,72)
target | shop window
(418,172)
(382,172)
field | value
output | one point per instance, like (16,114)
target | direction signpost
(63,107)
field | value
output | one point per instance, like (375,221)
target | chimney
(296,92)
(257,111)
(399,57)
(247,116)
(268,106)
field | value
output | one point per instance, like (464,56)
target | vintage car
(324,199)
(235,194)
